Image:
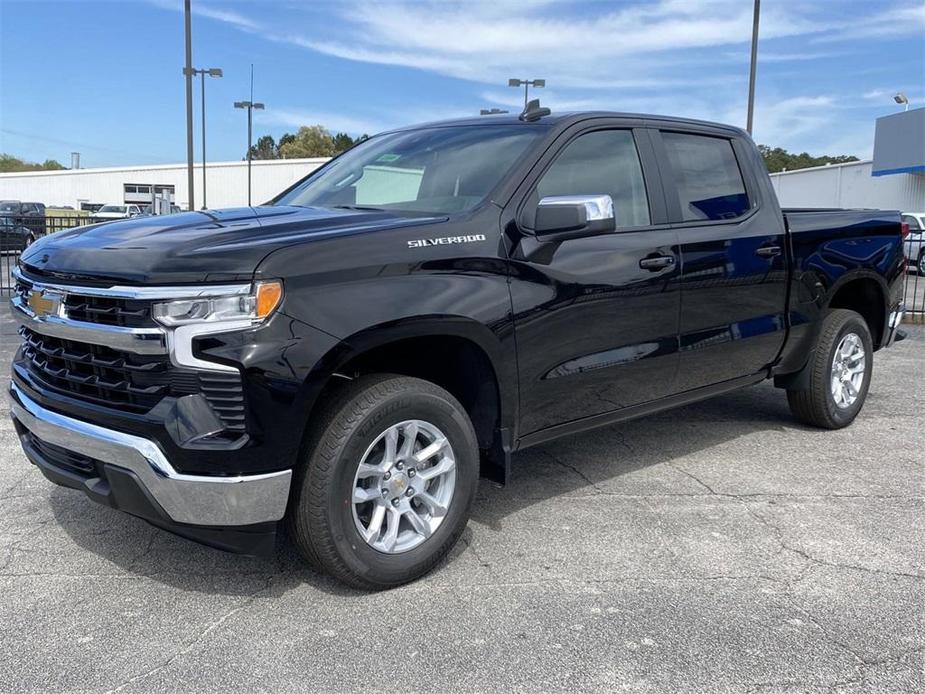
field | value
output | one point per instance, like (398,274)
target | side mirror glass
(561,217)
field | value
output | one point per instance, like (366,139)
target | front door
(596,318)
(733,258)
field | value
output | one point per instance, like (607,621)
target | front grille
(104,310)
(130,313)
(132,382)
(97,373)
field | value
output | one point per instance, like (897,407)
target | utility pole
(250,106)
(211,72)
(188,72)
(751,74)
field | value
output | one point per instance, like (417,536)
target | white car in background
(117,212)
(914,246)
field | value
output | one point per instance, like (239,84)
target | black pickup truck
(349,358)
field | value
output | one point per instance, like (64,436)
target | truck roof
(565,119)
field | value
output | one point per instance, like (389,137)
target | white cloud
(681,57)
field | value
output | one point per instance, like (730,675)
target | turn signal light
(269,295)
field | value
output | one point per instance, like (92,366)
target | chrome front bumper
(187,499)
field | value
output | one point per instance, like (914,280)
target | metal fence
(914,290)
(914,294)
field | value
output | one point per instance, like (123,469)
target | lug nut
(409,491)
(411,472)
(399,465)
(396,501)
(387,475)
(385,492)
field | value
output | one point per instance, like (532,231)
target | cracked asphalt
(716,548)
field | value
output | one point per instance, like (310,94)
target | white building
(226,183)
(850,185)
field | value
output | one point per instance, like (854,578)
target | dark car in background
(13,236)
(28,214)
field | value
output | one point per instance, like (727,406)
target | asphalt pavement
(717,548)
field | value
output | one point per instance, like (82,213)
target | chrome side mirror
(559,217)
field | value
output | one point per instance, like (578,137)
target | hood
(211,246)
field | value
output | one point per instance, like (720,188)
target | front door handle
(656,262)
(769,251)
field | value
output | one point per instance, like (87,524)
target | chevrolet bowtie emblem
(44,303)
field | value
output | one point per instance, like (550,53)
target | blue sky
(104,78)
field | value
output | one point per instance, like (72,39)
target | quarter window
(709,182)
(604,162)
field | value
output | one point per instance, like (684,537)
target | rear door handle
(656,262)
(769,251)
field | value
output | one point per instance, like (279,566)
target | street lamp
(526,84)
(491,111)
(902,99)
(211,72)
(753,65)
(250,106)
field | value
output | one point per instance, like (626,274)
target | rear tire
(921,263)
(345,460)
(839,373)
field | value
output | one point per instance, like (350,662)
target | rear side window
(604,162)
(709,182)
(912,222)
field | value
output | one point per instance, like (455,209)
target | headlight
(255,307)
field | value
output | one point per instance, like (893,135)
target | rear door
(733,256)
(596,330)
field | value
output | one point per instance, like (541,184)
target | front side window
(435,170)
(604,162)
(706,173)
(113,208)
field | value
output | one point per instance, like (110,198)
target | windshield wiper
(358,207)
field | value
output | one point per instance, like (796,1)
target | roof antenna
(533,111)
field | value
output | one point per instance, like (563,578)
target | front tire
(839,373)
(387,481)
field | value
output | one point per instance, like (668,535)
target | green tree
(779,159)
(343,142)
(284,140)
(265,148)
(310,141)
(10,164)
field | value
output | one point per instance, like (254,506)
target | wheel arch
(865,293)
(458,354)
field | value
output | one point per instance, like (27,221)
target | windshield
(437,170)
(9,206)
(112,208)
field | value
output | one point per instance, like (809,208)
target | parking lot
(720,547)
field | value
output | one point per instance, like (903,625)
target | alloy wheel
(403,486)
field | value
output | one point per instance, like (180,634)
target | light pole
(751,71)
(250,106)
(901,99)
(188,72)
(211,72)
(526,84)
